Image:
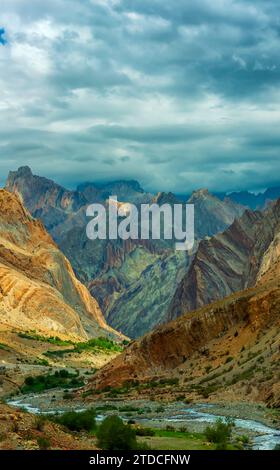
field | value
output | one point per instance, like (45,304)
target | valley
(171,342)
(175,425)
(118,272)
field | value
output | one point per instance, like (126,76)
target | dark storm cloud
(177,94)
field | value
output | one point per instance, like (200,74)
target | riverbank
(259,423)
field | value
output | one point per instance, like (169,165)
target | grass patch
(177,440)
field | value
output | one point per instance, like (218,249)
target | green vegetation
(103,344)
(171,439)
(46,339)
(229,359)
(244,375)
(60,379)
(134,384)
(163,382)
(113,434)
(128,409)
(220,433)
(43,443)
(145,432)
(41,362)
(106,407)
(160,409)
(4,347)
(78,421)
(93,345)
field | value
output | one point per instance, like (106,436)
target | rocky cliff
(226,350)
(38,288)
(228,262)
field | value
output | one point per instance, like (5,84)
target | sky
(176,94)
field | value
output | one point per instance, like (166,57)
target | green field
(176,440)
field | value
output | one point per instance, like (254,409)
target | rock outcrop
(228,262)
(38,288)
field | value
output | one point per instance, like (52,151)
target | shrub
(221,446)
(113,434)
(160,409)
(168,427)
(68,396)
(43,443)
(131,421)
(145,432)
(128,408)
(183,429)
(244,439)
(180,398)
(229,359)
(78,421)
(220,433)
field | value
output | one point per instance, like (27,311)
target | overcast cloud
(177,94)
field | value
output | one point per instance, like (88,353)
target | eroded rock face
(38,288)
(106,266)
(241,329)
(211,214)
(169,350)
(228,262)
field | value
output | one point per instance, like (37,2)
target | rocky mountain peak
(200,194)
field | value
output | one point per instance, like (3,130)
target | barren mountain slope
(227,350)
(38,289)
(228,262)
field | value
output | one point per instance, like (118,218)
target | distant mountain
(211,214)
(129,190)
(251,200)
(38,288)
(227,262)
(119,273)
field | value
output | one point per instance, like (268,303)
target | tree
(220,433)
(113,434)
(78,421)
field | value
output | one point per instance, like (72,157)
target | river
(264,437)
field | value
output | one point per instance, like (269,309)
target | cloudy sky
(178,94)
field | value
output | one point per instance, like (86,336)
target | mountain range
(208,319)
(227,350)
(118,273)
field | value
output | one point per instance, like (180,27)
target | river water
(266,437)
